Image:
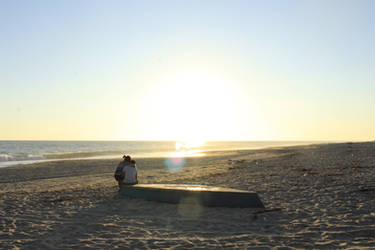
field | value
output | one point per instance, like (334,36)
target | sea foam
(20,157)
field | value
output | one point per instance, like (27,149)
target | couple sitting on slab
(126,172)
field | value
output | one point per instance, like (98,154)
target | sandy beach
(316,196)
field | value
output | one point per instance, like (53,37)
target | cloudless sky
(187,70)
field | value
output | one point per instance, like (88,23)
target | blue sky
(286,70)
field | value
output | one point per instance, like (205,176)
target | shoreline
(316,196)
(112,154)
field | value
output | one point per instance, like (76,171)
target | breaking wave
(52,156)
(20,157)
(74,155)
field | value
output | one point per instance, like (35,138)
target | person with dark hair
(119,173)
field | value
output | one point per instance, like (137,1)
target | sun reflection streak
(176,161)
(196,188)
(191,144)
(189,149)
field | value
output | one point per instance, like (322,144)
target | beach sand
(316,196)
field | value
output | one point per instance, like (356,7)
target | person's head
(126,158)
(133,163)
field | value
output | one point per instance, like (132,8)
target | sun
(193,105)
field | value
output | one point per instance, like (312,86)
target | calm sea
(24,152)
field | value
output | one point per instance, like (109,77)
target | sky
(187,70)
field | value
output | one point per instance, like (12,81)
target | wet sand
(318,196)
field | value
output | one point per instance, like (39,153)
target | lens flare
(175,163)
(190,208)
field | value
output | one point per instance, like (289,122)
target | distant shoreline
(209,153)
(28,152)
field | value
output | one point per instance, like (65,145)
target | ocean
(25,152)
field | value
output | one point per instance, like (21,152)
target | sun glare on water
(176,161)
(188,145)
(189,149)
